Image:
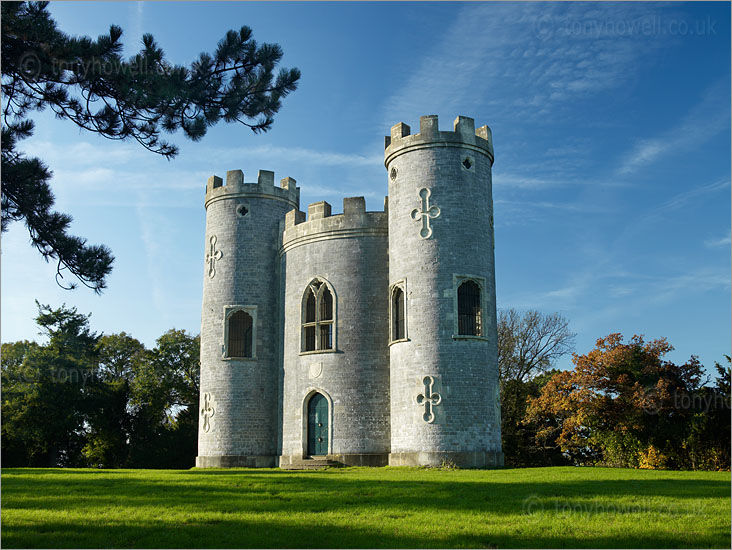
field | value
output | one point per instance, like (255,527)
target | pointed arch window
(239,332)
(397,314)
(318,326)
(398,311)
(469,306)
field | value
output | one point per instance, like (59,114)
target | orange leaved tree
(624,405)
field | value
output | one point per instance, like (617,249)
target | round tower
(238,423)
(444,392)
(335,402)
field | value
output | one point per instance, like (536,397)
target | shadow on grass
(237,533)
(357,508)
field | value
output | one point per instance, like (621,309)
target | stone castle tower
(363,338)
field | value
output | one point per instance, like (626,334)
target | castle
(363,338)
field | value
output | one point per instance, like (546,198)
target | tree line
(85,399)
(89,400)
(106,401)
(622,405)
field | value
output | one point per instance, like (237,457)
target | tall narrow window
(326,305)
(326,319)
(309,326)
(310,307)
(240,335)
(318,318)
(397,314)
(469,309)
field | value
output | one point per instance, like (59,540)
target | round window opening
(393,174)
(467,163)
(242,210)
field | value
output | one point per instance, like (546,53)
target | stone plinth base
(474,459)
(318,463)
(298,462)
(236,461)
(380,459)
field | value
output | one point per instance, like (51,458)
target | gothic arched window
(470,315)
(318,317)
(239,341)
(397,314)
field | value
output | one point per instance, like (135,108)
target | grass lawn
(365,507)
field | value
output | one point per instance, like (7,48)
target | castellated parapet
(464,136)
(361,338)
(321,225)
(234,187)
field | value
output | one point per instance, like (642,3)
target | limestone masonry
(363,338)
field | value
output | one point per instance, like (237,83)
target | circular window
(393,174)
(468,163)
(242,210)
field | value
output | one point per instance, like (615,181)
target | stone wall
(348,252)
(241,428)
(446,176)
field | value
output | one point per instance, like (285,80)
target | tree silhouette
(89,83)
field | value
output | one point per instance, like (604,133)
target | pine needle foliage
(90,83)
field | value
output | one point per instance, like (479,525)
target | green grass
(362,507)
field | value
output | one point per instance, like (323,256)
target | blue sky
(611,126)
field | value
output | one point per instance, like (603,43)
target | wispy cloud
(152,231)
(719,242)
(136,16)
(530,182)
(703,279)
(266,153)
(81,153)
(705,120)
(632,292)
(522,212)
(524,59)
(111,168)
(682,199)
(517,181)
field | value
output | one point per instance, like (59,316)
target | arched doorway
(318,425)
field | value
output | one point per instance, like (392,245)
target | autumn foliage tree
(529,344)
(624,405)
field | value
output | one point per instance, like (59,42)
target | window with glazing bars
(469,309)
(397,314)
(240,335)
(326,319)
(318,322)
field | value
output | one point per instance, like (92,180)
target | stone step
(318,463)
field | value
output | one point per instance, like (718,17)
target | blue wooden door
(318,425)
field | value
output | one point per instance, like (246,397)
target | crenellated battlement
(321,225)
(216,189)
(464,134)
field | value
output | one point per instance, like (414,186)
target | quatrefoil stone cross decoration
(425,213)
(429,399)
(212,255)
(207,411)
